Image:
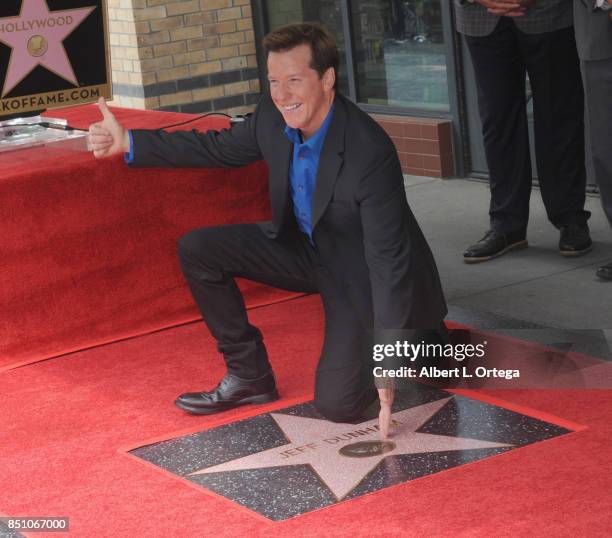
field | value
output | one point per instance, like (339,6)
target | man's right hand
(504,8)
(107,137)
(386,396)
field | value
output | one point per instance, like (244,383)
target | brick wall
(424,145)
(183,55)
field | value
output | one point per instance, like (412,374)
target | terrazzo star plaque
(289,462)
(53,53)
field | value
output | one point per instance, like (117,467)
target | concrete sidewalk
(547,297)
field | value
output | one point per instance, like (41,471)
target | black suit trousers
(501,61)
(210,260)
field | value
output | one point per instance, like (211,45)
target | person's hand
(107,137)
(386,397)
(504,8)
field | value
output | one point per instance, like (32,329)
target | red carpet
(64,421)
(89,247)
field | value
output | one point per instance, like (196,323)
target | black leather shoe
(575,240)
(494,244)
(231,392)
(605,272)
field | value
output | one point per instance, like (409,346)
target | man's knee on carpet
(347,407)
(348,413)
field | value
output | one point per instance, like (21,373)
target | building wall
(191,56)
(198,56)
(424,145)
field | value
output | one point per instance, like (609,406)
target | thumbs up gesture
(107,137)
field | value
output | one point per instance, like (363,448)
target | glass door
(396,56)
(393,55)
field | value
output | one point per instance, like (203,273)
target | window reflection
(399,53)
(399,47)
(281,12)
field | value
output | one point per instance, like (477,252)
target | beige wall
(183,55)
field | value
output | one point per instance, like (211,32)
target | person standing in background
(593,20)
(508,39)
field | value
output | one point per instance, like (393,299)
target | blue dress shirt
(129,157)
(303,171)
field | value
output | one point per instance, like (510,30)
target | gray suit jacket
(543,16)
(593,31)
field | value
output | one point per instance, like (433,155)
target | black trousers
(501,60)
(210,259)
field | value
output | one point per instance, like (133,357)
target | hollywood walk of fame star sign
(292,461)
(52,54)
(328,447)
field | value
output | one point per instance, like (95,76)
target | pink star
(36,37)
(319,443)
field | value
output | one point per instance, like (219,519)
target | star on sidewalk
(343,454)
(36,37)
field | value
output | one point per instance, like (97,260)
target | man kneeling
(341,226)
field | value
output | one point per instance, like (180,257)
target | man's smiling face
(302,96)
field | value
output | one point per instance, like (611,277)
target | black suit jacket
(366,235)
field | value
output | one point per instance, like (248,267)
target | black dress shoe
(231,392)
(494,244)
(605,272)
(575,240)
